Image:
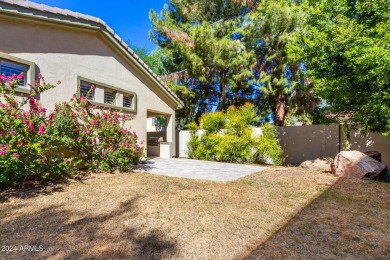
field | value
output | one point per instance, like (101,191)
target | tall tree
(237,51)
(270,31)
(161,61)
(347,50)
(200,32)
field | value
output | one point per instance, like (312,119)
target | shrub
(207,146)
(240,119)
(268,146)
(194,141)
(233,148)
(236,143)
(26,145)
(97,136)
(213,122)
(40,146)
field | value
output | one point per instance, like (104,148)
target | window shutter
(109,96)
(127,101)
(84,88)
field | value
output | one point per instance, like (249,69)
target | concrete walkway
(195,169)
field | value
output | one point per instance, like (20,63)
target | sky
(128,18)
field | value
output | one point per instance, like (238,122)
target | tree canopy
(346,45)
(236,52)
(289,58)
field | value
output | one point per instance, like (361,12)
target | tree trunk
(222,98)
(280,111)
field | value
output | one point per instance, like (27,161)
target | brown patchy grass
(351,220)
(144,216)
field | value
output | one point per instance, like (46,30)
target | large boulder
(318,164)
(357,165)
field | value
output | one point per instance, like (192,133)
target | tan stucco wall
(372,142)
(62,53)
(301,143)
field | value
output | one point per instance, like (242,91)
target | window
(106,95)
(127,101)
(10,68)
(86,91)
(154,121)
(109,97)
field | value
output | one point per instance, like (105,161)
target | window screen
(127,101)
(9,68)
(109,96)
(86,91)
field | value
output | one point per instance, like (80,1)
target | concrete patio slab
(196,169)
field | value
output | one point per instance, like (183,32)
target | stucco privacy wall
(301,143)
(63,52)
(372,142)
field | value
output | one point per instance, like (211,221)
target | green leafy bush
(213,122)
(208,144)
(237,149)
(235,143)
(240,119)
(268,147)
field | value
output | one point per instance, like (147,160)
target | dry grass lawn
(143,216)
(349,221)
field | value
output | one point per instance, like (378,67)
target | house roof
(25,7)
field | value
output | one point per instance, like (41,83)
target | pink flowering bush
(96,136)
(40,145)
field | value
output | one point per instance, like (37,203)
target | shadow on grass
(31,190)
(349,220)
(74,234)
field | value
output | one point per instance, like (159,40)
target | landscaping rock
(385,175)
(374,155)
(318,164)
(357,165)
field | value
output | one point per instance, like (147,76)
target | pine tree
(270,31)
(237,51)
(201,34)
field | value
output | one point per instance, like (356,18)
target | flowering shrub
(42,145)
(95,136)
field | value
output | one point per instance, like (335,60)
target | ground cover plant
(146,216)
(39,144)
(228,137)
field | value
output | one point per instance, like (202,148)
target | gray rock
(318,164)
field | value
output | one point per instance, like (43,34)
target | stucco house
(80,50)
